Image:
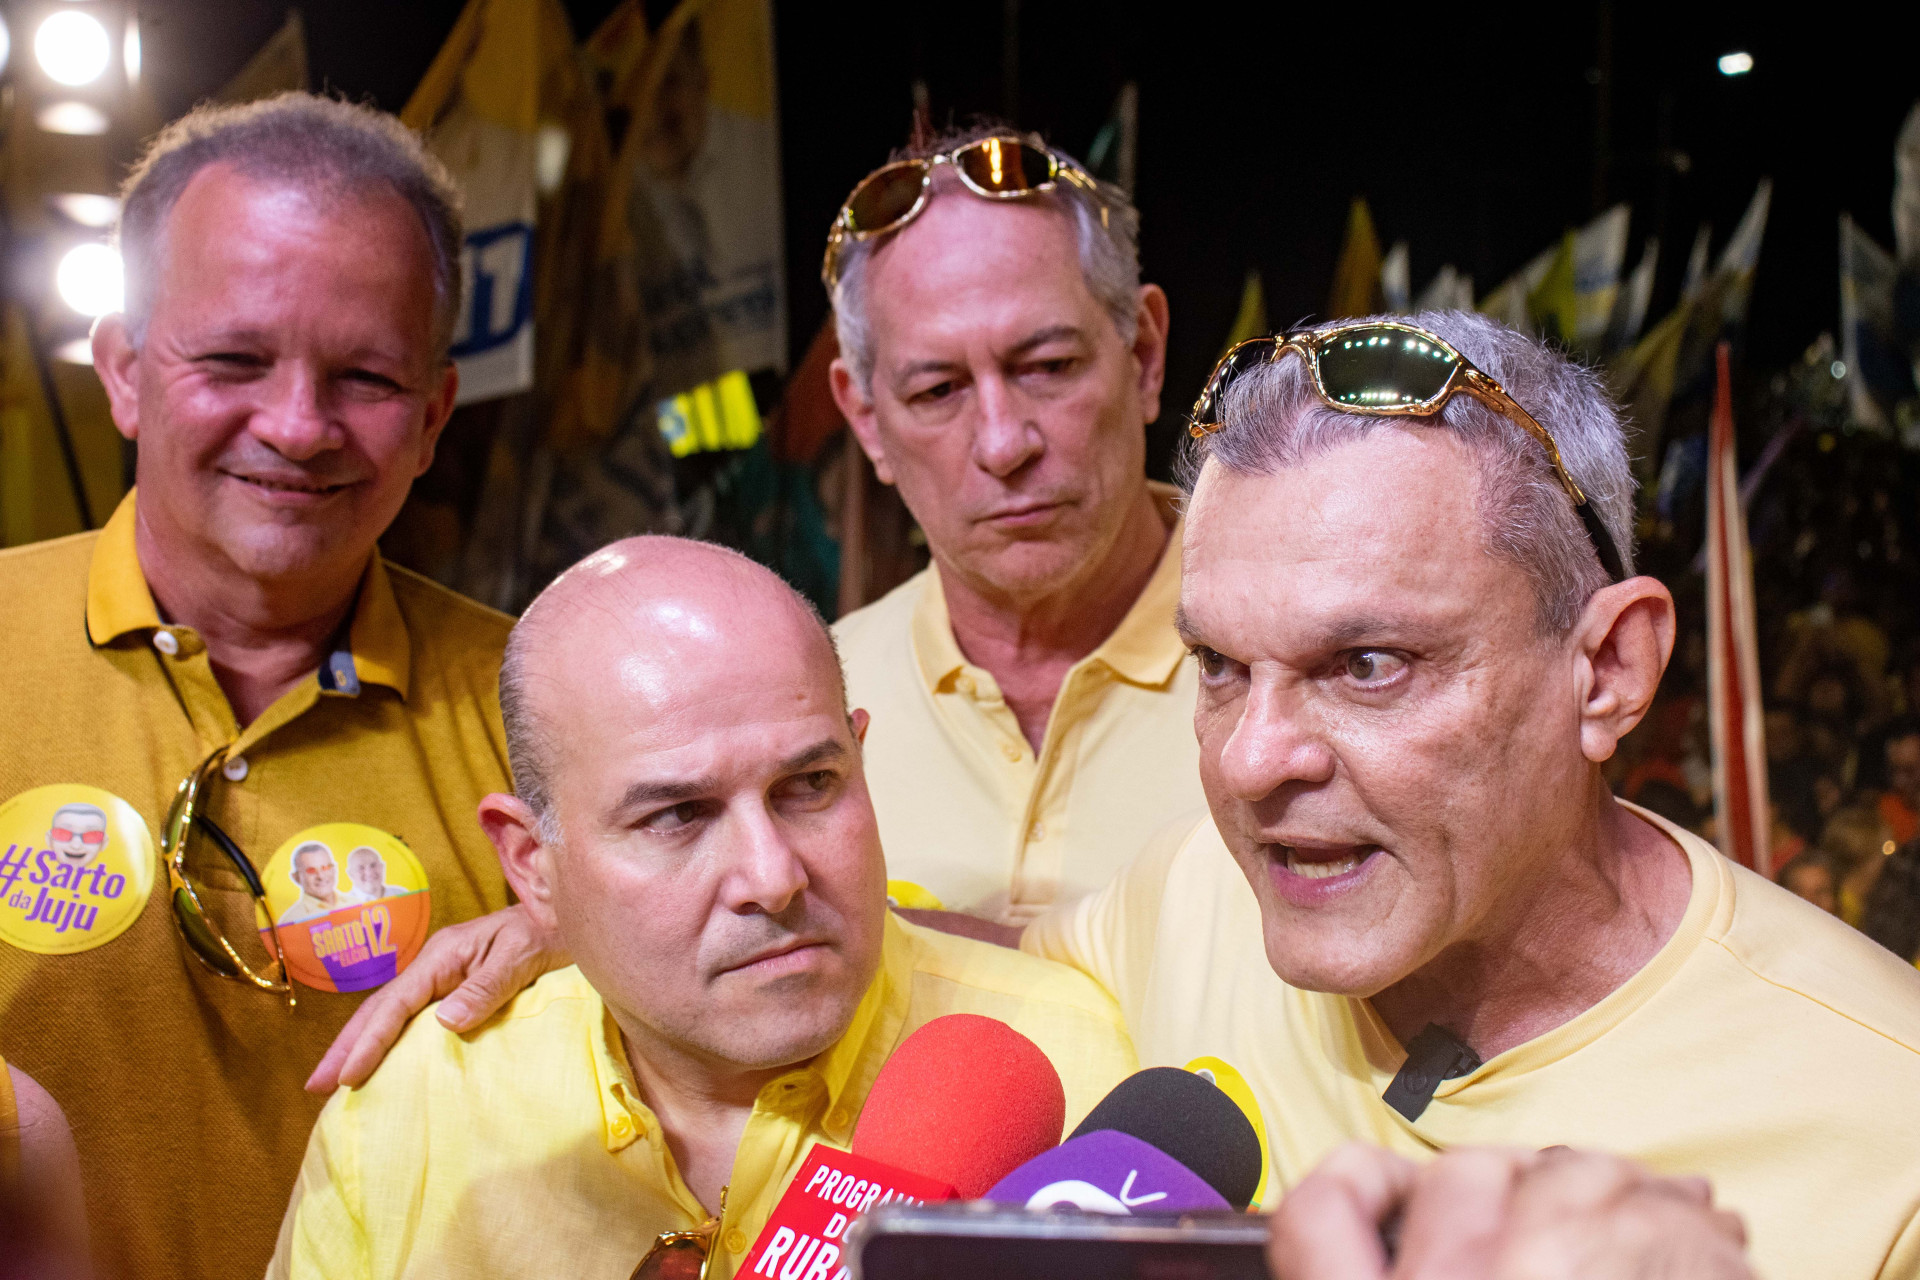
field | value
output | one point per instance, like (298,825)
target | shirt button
(235,769)
(623,1128)
(165,642)
(1011,752)
(736,1241)
(1036,832)
(965,685)
(839,1118)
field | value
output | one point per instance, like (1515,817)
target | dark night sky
(1472,138)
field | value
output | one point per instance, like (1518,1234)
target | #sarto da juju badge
(76,867)
(350,904)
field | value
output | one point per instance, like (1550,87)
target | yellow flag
(1356,278)
(1554,302)
(1251,320)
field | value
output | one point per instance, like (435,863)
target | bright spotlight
(6,45)
(1735,64)
(131,50)
(72,47)
(82,119)
(89,280)
(87,209)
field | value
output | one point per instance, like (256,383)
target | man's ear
(525,858)
(860,722)
(1621,645)
(856,406)
(439,409)
(1151,317)
(117,361)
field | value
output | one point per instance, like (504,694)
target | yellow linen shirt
(184,1088)
(525,1149)
(1766,1046)
(967,811)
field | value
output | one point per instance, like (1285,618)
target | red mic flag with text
(1733,650)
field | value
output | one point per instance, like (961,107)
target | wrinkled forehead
(1380,529)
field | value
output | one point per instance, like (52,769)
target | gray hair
(314,143)
(529,740)
(1106,228)
(1274,419)
(311,846)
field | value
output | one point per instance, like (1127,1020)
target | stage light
(1735,64)
(87,210)
(89,279)
(6,44)
(72,47)
(130,49)
(79,118)
(75,351)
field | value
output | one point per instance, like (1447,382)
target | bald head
(659,615)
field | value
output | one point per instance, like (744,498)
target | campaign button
(76,868)
(349,905)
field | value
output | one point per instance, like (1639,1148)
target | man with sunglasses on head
(999,361)
(1416,915)
(692,823)
(248,669)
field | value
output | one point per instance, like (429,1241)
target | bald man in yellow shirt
(692,822)
(1416,916)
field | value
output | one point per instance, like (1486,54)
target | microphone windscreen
(964,1100)
(1191,1120)
(1106,1172)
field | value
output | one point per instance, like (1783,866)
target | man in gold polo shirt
(693,824)
(292,280)
(1416,916)
(1000,359)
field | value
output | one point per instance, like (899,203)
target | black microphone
(1189,1119)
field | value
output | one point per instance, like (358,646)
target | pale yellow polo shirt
(525,1149)
(184,1088)
(967,811)
(1767,1046)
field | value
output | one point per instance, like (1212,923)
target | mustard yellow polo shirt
(526,1149)
(967,811)
(183,1087)
(1766,1046)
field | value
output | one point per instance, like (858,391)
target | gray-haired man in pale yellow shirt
(1416,916)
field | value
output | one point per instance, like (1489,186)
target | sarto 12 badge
(76,867)
(349,904)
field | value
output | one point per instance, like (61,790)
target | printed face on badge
(77,865)
(349,903)
(79,831)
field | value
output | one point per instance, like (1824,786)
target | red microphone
(966,1100)
(963,1102)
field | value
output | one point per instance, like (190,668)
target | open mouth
(1312,873)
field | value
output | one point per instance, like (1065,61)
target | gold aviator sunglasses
(682,1255)
(1386,369)
(1000,167)
(205,939)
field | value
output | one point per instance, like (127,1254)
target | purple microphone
(1106,1172)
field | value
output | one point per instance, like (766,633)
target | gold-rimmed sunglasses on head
(997,167)
(1381,369)
(209,945)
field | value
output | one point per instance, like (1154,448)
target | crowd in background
(1835,532)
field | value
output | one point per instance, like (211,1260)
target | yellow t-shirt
(1766,1046)
(526,1150)
(184,1088)
(967,811)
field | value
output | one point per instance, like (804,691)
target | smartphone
(967,1240)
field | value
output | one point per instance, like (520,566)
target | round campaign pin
(349,905)
(76,868)
(1229,1081)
